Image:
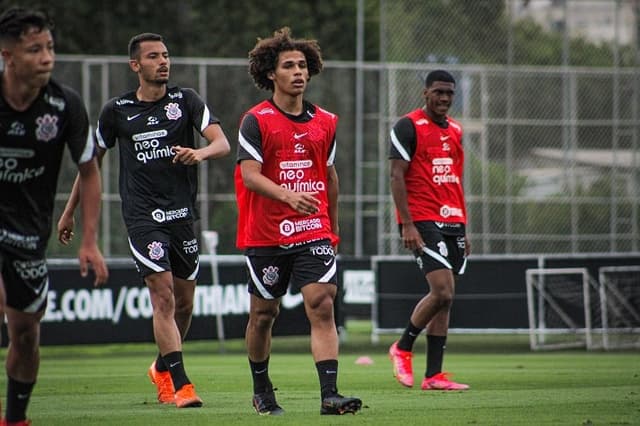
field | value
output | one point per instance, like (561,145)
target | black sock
(260,375)
(174,363)
(18,395)
(328,374)
(435,354)
(160,365)
(409,336)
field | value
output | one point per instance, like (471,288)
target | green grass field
(107,385)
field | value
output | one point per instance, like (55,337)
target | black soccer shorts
(444,247)
(26,279)
(270,275)
(166,247)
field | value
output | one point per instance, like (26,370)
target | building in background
(596,21)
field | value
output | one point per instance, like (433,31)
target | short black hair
(438,75)
(16,21)
(134,43)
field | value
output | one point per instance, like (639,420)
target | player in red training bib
(426,183)
(287,195)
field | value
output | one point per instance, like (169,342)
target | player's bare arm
(90,192)
(410,236)
(254,180)
(217,147)
(333,189)
(66,223)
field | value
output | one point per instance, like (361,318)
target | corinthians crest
(173,111)
(155,250)
(271,275)
(47,127)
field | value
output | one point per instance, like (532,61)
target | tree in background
(199,28)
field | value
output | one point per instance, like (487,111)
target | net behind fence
(568,308)
(620,306)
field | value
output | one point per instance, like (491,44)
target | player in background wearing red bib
(427,163)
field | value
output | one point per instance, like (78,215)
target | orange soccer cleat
(162,380)
(186,397)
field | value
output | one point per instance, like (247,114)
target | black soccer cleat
(265,404)
(338,404)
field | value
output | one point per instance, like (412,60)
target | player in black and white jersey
(38,118)
(153,127)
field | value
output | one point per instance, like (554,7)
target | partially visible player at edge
(287,194)
(38,117)
(154,128)
(426,183)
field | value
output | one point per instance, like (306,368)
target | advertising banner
(121,311)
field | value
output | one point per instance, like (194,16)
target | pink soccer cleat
(441,382)
(402,365)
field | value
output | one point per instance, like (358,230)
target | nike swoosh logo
(290,301)
(173,364)
(297,136)
(260,371)
(132,117)
(327,262)
(22,395)
(444,138)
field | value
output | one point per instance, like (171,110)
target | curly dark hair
(263,58)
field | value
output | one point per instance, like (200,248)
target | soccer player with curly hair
(287,194)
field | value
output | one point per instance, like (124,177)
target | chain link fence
(547,92)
